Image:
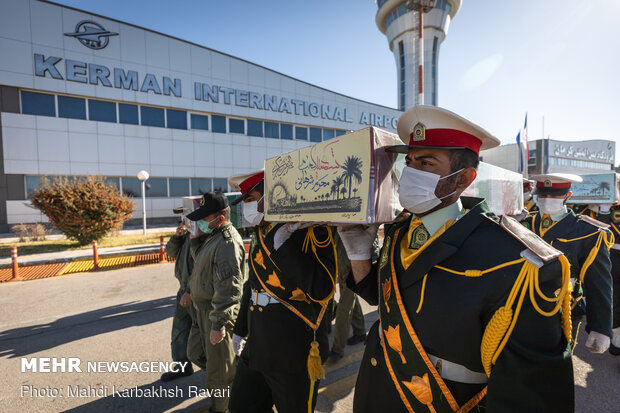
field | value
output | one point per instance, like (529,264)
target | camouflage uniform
(216,286)
(179,248)
(349,311)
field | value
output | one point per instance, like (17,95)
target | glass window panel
(255,127)
(286,131)
(200,186)
(38,104)
(74,108)
(220,184)
(301,133)
(101,110)
(152,116)
(32,183)
(132,186)
(127,114)
(236,126)
(156,187)
(200,121)
(179,186)
(328,134)
(176,119)
(112,180)
(218,123)
(272,130)
(315,135)
(340,132)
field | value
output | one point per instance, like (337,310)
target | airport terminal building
(82,94)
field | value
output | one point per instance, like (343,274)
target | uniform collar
(436,219)
(560,215)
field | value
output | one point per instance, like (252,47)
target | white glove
(616,339)
(358,240)
(593,208)
(286,230)
(597,343)
(604,208)
(238,344)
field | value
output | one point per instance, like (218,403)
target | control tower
(415,30)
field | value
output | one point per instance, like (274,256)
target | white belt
(456,372)
(453,371)
(262,299)
(615,247)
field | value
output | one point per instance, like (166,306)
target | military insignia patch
(548,183)
(419,132)
(202,202)
(615,216)
(419,237)
(527,225)
(384,253)
(547,222)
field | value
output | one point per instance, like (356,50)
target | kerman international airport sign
(95,74)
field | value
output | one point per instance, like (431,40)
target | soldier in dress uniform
(528,195)
(469,315)
(529,205)
(586,243)
(610,214)
(292,276)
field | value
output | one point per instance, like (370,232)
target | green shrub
(84,209)
(32,232)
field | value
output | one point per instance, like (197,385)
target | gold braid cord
(594,252)
(311,241)
(502,323)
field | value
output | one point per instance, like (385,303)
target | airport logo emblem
(91,34)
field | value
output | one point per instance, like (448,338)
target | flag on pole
(527,146)
(520,152)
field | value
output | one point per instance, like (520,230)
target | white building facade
(596,156)
(82,94)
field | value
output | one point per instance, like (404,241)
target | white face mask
(416,190)
(251,214)
(527,196)
(550,206)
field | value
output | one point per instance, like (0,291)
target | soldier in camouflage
(184,314)
(216,287)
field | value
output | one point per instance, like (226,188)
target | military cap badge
(419,132)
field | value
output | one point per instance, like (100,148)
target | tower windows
(401,67)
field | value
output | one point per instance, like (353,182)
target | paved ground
(125,315)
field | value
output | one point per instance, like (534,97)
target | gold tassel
(315,366)
(567,323)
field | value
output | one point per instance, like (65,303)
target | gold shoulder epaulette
(529,239)
(593,221)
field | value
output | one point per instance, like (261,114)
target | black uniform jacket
(534,371)
(576,236)
(277,339)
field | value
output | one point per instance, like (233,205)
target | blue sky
(554,58)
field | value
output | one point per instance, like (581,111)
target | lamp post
(143,176)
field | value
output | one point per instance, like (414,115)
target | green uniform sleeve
(537,356)
(228,274)
(597,289)
(174,245)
